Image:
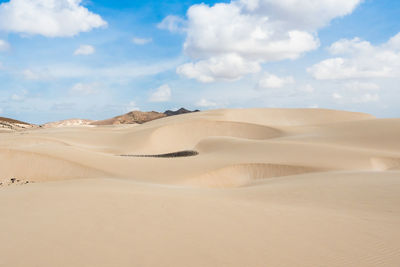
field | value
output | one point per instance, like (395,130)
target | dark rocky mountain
(179,111)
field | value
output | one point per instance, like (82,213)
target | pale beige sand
(280,187)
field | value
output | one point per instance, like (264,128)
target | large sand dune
(269,187)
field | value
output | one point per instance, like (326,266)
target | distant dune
(68,123)
(228,187)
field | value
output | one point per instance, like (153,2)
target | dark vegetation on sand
(184,153)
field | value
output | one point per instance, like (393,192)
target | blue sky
(97,59)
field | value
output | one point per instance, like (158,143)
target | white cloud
(303,14)
(308,88)
(1,110)
(337,96)
(227,28)
(63,106)
(141,41)
(19,97)
(16,97)
(366,98)
(227,67)
(172,24)
(205,103)
(357,99)
(272,81)
(357,59)
(84,88)
(31,75)
(161,94)
(84,50)
(346,46)
(132,106)
(254,31)
(50,18)
(4,46)
(362,86)
(120,72)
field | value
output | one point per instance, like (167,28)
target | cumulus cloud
(120,72)
(20,96)
(63,106)
(50,18)
(356,98)
(161,94)
(256,31)
(366,98)
(141,41)
(302,14)
(4,46)
(205,103)
(358,59)
(272,81)
(337,96)
(31,75)
(84,50)
(227,67)
(308,88)
(362,86)
(172,24)
(132,106)
(84,89)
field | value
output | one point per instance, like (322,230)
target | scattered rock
(13,181)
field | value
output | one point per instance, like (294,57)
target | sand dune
(268,187)
(245,174)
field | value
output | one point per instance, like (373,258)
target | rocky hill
(132,117)
(140,117)
(7,124)
(179,111)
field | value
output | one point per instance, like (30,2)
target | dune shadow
(177,154)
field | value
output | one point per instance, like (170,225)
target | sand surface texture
(268,187)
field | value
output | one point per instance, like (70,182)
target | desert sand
(269,187)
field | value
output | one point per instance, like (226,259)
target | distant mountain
(141,117)
(67,123)
(13,125)
(131,117)
(179,111)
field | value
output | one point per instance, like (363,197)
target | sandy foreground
(269,187)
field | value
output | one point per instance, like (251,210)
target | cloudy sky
(96,59)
